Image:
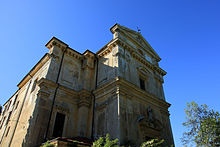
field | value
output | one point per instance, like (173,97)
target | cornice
(74,54)
(11,97)
(108,48)
(124,29)
(46,83)
(85,98)
(142,95)
(56,42)
(121,86)
(89,54)
(71,52)
(32,72)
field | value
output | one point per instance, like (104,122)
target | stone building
(117,90)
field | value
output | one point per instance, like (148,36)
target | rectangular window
(2,122)
(59,124)
(16,105)
(4,110)
(7,132)
(9,116)
(34,85)
(142,84)
(9,105)
(15,100)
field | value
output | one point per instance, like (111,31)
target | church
(117,90)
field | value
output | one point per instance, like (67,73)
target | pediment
(138,39)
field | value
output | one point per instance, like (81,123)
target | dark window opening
(142,84)
(9,105)
(15,100)
(16,105)
(34,85)
(2,122)
(9,116)
(59,124)
(7,132)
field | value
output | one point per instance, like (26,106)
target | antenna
(139,30)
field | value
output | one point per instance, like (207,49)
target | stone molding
(71,52)
(33,71)
(82,97)
(108,48)
(121,86)
(85,98)
(123,30)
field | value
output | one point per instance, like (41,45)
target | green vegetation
(47,144)
(153,143)
(203,125)
(105,142)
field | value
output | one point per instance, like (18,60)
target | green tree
(153,143)
(203,125)
(105,142)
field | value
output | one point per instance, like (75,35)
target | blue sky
(185,33)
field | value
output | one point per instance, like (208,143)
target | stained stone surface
(98,94)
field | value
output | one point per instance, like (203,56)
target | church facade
(118,90)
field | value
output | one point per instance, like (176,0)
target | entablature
(124,87)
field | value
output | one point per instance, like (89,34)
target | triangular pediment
(136,37)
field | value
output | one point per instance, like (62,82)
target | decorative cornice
(32,72)
(74,54)
(56,42)
(124,30)
(71,52)
(89,54)
(85,98)
(121,86)
(105,51)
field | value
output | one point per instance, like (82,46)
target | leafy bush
(47,144)
(105,142)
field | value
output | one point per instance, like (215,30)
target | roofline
(88,51)
(11,97)
(29,73)
(105,46)
(55,39)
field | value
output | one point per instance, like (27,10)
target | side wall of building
(22,116)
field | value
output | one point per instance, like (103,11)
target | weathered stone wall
(122,107)
(26,102)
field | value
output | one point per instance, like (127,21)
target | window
(142,84)
(59,124)
(15,100)
(8,118)
(9,105)
(34,85)
(2,122)
(16,105)
(4,110)
(7,132)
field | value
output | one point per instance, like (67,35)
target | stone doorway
(59,124)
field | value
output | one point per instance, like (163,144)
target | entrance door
(59,124)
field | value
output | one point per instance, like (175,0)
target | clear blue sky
(185,33)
